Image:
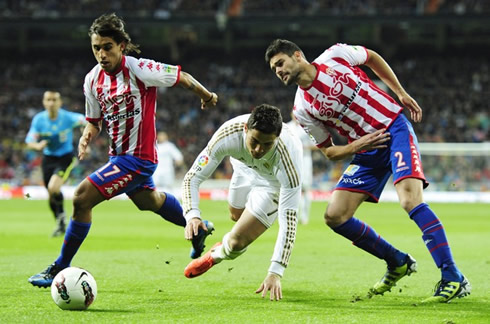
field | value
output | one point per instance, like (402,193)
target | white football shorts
(259,197)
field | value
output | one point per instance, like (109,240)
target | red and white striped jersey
(126,101)
(342,97)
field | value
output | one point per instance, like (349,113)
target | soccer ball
(74,288)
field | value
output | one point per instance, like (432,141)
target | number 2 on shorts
(399,156)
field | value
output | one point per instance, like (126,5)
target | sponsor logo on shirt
(119,99)
(356,181)
(116,100)
(129,114)
(331,97)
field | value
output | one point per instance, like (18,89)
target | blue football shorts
(369,171)
(123,174)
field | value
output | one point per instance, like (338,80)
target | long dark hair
(110,25)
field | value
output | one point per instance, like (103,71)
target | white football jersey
(168,156)
(307,142)
(280,168)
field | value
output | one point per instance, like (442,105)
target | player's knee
(151,201)
(53,190)
(140,206)
(80,202)
(148,205)
(408,204)
(410,200)
(332,218)
(85,198)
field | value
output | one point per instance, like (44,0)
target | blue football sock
(435,239)
(75,234)
(171,210)
(365,237)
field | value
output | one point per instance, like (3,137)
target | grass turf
(138,261)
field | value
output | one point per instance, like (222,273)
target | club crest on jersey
(203,160)
(351,169)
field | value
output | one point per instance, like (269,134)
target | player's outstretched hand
(83,145)
(413,106)
(273,283)
(192,228)
(209,102)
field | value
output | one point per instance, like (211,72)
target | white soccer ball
(74,288)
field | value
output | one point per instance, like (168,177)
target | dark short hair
(110,25)
(266,119)
(281,46)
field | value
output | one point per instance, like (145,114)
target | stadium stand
(452,88)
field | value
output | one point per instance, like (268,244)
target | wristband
(211,98)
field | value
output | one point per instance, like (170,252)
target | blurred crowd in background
(454,92)
(166,8)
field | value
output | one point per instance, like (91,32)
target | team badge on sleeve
(203,160)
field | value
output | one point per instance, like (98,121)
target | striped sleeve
(353,54)
(288,218)
(289,198)
(92,107)
(154,74)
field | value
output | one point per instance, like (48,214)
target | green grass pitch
(138,261)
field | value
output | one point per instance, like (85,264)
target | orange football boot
(200,265)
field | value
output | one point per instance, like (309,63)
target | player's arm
(376,140)
(33,136)
(37,146)
(207,98)
(381,68)
(202,168)
(289,200)
(156,74)
(177,156)
(290,177)
(91,130)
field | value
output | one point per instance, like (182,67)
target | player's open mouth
(284,77)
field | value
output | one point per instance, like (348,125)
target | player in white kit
(169,156)
(305,205)
(266,184)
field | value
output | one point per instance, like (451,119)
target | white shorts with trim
(259,197)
